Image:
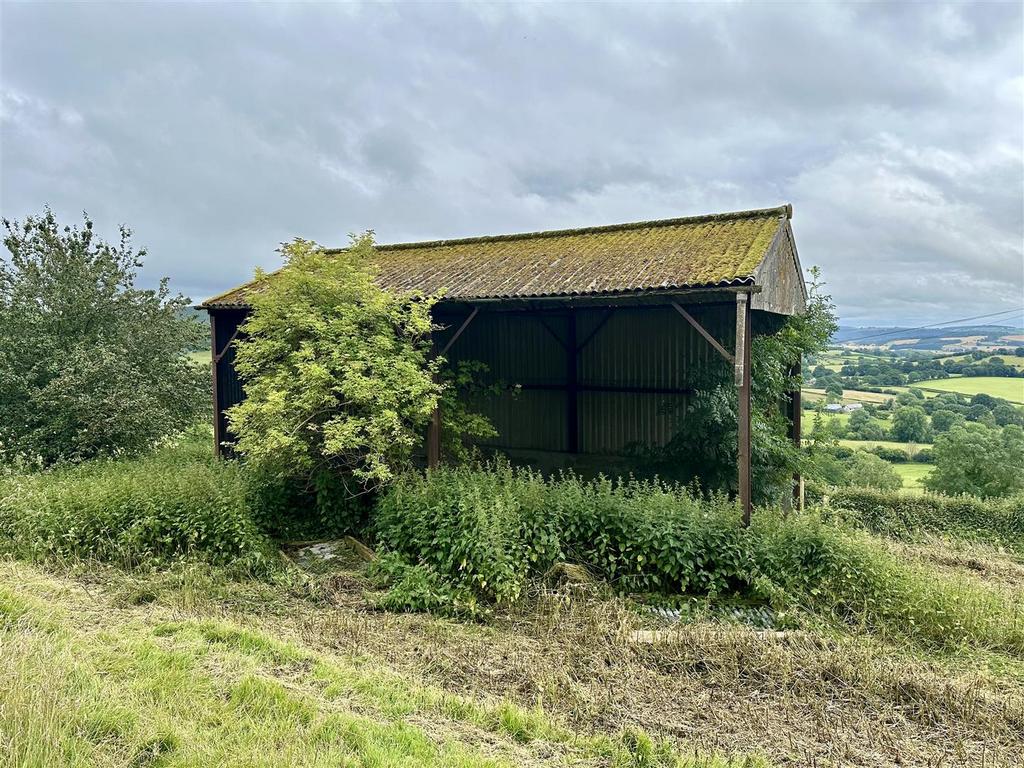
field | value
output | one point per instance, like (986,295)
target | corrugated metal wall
(630,370)
(628,373)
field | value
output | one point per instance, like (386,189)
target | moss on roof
(717,249)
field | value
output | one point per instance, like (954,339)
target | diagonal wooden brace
(703,332)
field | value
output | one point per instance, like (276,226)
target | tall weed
(491,530)
(167,505)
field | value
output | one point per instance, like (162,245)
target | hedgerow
(491,531)
(997,521)
(168,505)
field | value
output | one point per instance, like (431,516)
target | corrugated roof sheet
(717,249)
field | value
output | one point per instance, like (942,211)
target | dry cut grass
(186,667)
(130,673)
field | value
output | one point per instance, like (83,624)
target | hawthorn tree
(90,364)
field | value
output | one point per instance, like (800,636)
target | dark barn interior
(597,336)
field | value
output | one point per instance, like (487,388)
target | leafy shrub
(90,364)
(895,455)
(419,588)
(924,456)
(870,471)
(164,506)
(286,506)
(998,521)
(487,532)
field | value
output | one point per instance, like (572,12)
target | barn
(597,335)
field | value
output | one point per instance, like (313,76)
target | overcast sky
(218,131)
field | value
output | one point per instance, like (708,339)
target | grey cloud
(219,131)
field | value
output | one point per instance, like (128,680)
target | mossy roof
(713,250)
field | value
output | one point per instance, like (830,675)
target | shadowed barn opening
(597,335)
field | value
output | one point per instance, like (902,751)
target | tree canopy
(975,459)
(339,377)
(90,364)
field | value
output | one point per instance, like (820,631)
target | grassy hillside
(187,668)
(997,386)
(124,673)
(878,630)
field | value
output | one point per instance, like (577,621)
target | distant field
(1011,360)
(912,473)
(851,395)
(997,386)
(200,357)
(898,342)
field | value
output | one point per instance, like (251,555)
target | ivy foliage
(90,364)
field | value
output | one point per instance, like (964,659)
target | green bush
(895,455)
(289,507)
(488,532)
(998,521)
(171,504)
(420,589)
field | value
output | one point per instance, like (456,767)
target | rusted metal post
(744,331)
(434,439)
(214,363)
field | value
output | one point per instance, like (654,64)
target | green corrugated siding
(651,347)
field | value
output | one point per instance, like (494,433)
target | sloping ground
(107,675)
(187,668)
(996,386)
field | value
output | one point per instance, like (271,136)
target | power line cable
(932,325)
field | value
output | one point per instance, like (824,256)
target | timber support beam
(741,374)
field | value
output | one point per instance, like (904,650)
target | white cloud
(217,131)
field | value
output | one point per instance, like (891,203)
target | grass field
(102,678)
(913,473)
(184,668)
(996,386)
(849,395)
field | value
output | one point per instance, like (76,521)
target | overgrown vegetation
(705,447)
(90,364)
(178,502)
(340,380)
(995,521)
(490,531)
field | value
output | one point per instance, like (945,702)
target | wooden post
(434,439)
(572,387)
(795,415)
(214,363)
(744,331)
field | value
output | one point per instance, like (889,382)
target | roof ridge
(782,211)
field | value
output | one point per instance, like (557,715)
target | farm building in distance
(598,334)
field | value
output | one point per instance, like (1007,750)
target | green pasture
(996,386)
